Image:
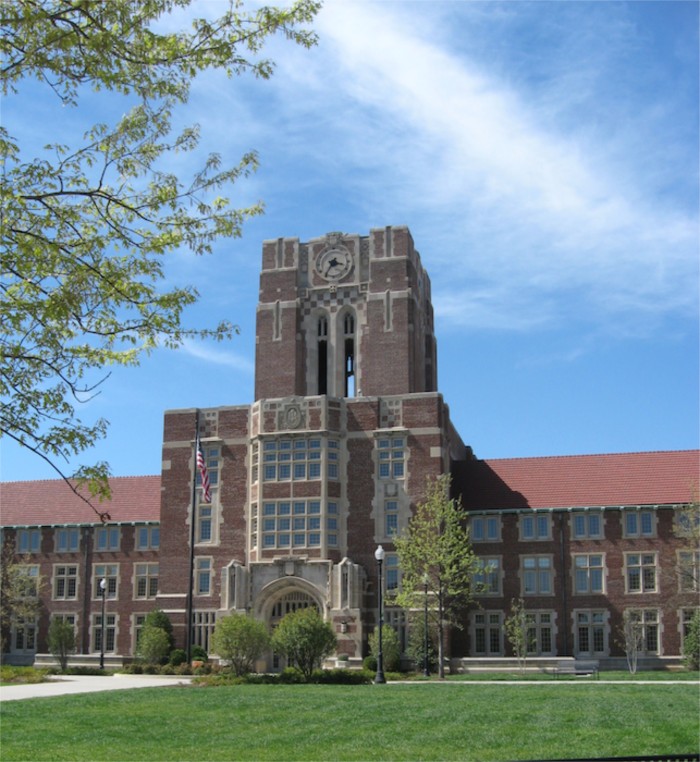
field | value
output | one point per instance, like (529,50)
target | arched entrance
(284,598)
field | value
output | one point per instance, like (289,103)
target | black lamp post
(379,555)
(103,591)
(426,671)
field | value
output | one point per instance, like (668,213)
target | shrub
(241,641)
(198,653)
(370,663)
(305,639)
(391,648)
(691,643)
(161,620)
(178,656)
(61,641)
(153,645)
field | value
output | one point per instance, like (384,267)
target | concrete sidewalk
(68,684)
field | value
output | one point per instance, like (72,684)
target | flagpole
(193,527)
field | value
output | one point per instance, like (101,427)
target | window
(28,540)
(203,628)
(487,633)
(536,574)
(23,634)
(297,459)
(686,617)
(108,572)
(67,540)
(640,571)
(332,455)
(138,621)
(391,518)
(591,633)
(396,619)
(146,580)
(535,527)
(639,524)
(205,512)
(107,538)
(540,635)
(211,454)
(295,523)
(647,620)
(391,452)
(28,581)
(688,571)
(392,577)
(485,529)
(588,573)
(110,632)
(587,526)
(203,576)
(488,579)
(65,582)
(148,538)
(332,525)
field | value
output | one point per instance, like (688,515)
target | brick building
(328,462)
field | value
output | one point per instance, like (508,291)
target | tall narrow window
(349,371)
(323,355)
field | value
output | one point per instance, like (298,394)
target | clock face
(334,264)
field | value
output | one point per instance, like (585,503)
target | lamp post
(426,671)
(103,592)
(379,555)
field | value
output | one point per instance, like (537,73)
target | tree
(305,639)
(632,635)
(153,646)
(391,648)
(158,618)
(519,632)
(19,591)
(86,228)
(691,643)
(61,641)
(241,640)
(436,550)
(416,648)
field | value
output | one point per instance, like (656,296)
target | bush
(391,648)
(178,656)
(61,641)
(153,645)
(241,641)
(161,620)
(691,643)
(370,663)
(198,653)
(305,639)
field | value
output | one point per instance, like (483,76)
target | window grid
(485,529)
(107,538)
(110,632)
(109,572)
(148,538)
(639,523)
(588,573)
(641,572)
(297,459)
(488,579)
(67,540)
(392,454)
(65,582)
(146,580)
(203,568)
(297,523)
(537,575)
(535,527)
(28,540)
(587,526)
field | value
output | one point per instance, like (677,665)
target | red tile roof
(645,478)
(51,502)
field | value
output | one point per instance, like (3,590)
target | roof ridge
(594,455)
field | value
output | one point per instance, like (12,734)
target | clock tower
(344,315)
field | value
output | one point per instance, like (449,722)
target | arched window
(322,381)
(349,354)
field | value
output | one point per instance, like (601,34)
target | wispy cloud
(216,356)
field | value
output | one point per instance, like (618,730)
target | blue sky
(544,156)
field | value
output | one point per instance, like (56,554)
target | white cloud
(208,354)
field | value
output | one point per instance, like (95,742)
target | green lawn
(393,722)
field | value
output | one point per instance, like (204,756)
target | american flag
(202,466)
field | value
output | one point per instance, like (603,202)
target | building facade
(329,462)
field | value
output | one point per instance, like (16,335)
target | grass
(326,722)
